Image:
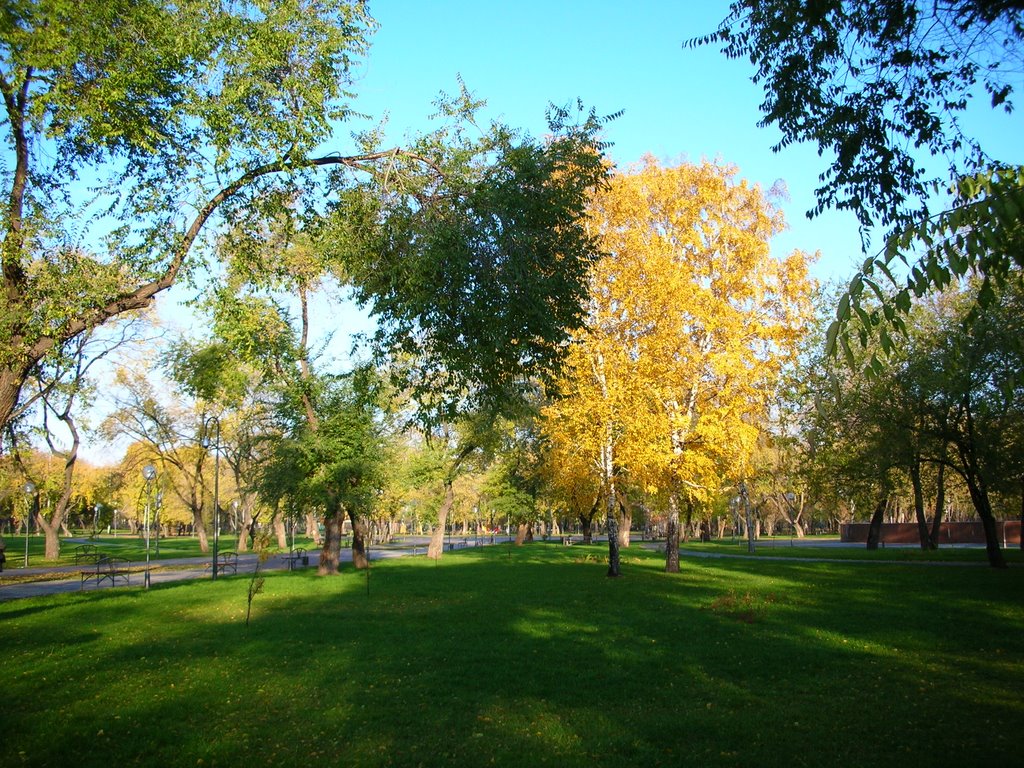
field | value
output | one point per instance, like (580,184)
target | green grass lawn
(130,546)
(526,656)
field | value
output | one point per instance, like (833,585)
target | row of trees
(699,365)
(629,353)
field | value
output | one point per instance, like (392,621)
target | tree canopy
(689,321)
(879,87)
(882,89)
(139,130)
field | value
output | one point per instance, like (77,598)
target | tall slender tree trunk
(875,526)
(982,505)
(611,518)
(436,545)
(940,508)
(672,536)
(608,475)
(922,523)
(587,521)
(614,563)
(1020,531)
(360,532)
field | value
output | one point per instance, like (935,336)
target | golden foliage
(690,321)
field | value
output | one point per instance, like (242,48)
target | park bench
(226,561)
(113,568)
(86,553)
(296,557)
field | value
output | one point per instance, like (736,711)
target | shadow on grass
(523,660)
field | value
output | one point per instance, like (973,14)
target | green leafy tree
(338,465)
(881,88)
(979,408)
(129,126)
(189,114)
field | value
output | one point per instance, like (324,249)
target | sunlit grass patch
(523,657)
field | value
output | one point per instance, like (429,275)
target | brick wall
(950,533)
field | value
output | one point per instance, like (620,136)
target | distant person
(3,557)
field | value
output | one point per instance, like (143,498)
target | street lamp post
(30,497)
(216,487)
(95,518)
(746,512)
(790,499)
(156,519)
(149,473)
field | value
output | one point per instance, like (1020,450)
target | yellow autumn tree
(690,320)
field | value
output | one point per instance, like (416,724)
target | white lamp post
(149,473)
(216,486)
(30,497)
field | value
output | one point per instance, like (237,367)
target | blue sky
(678,103)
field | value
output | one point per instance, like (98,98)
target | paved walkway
(182,569)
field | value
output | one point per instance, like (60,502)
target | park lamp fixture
(30,496)
(149,474)
(216,483)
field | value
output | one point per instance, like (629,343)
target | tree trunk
(242,545)
(672,536)
(50,536)
(360,530)
(1020,533)
(922,524)
(436,546)
(982,505)
(940,508)
(875,527)
(280,530)
(587,527)
(197,525)
(627,522)
(587,521)
(614,565)
(11,379)
(330,553)
(521,532)
(313,529)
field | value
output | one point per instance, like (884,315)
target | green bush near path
(526,656)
